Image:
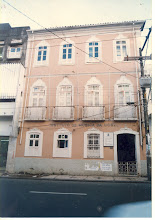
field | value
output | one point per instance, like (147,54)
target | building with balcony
(82,109)
(13,42)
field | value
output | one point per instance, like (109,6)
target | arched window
(125,108)
(93,50)
(67,52)
(33,143)
(41,54)
(62,144)
(37,101)
(93,143)
(38,94)
(93,101)
(64,100)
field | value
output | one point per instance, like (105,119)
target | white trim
(33,151)
(90,60)
(62,152)
(15,54)
(66,61)
(93,131)
(45,62)
(137,148)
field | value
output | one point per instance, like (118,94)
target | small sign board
(106,167)
(108,139)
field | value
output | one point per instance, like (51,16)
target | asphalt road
(46,198)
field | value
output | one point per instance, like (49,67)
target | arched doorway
(126,154)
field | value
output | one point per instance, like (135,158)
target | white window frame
(66,151)
(120,38)
(123,81)
(33,151)
(67,61)
(42,62)
(64,83)
(14,54)
(39,83)
(88,59)
(94,82)
(86,134)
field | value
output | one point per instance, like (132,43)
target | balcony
(93,113)
(125,113)
(35,113)
(63,113)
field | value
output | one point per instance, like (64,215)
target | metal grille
(128,168)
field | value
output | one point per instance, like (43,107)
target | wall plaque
(108,139)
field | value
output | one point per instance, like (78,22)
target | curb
(75,179)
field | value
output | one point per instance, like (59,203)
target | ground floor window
(33,144)
(93,143)
(62,144)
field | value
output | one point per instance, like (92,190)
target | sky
(52,13)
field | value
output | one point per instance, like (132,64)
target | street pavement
(41,197)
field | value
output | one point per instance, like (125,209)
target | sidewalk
(74,178)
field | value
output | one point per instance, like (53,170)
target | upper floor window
(33,143)
(124,92)
(14,52)
(42,54)
(121,48)
(38,94)
(67,52)
(1,52)
(93,92)
(93,50)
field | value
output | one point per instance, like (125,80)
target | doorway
(4,141)
(126,154)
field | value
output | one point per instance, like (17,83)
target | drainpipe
(27,91)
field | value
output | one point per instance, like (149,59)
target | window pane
(34,102)
(64,56)
(39,58)
(96,43)
(36,143)
(12,49)
(64,45)
(69,56)
(44,57)
(96,49)
(31,143)
(44,53)
(45,47)
(61,143)
(66,143)
(121,97)
(31,136)
(118,51)
(40,48)
(96,54)
(124,51)
(118,42)
(66,136)
(69,50)
(37,136)
(70,45)
(90,44)
(59,136)
(18,49)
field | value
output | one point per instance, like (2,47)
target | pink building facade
(82,107)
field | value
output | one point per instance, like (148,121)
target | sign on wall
(108,139)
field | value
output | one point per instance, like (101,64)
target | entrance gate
(127,164)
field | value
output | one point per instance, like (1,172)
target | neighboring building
(13,43)
(81,112)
